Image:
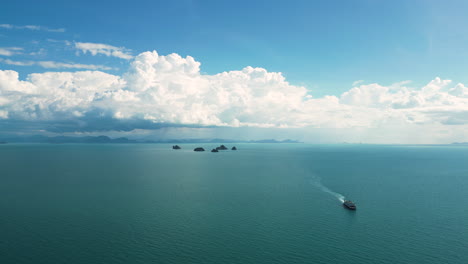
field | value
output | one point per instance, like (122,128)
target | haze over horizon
(322,72)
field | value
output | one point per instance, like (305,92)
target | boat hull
(349,207)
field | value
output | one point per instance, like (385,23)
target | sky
(333,71)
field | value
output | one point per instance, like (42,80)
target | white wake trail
(318,183)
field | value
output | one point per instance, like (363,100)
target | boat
(349,205)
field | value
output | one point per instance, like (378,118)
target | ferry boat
(349,205)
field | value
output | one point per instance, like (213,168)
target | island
(234,148)
(214,150)
(176,147)
(199,149)
(460,143)
(222,147)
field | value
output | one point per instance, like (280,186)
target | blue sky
(322,46)
(325,45)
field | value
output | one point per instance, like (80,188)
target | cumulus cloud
(53,96)
(56,65)
(10,51)
(108,50)
(159,91)
(433,103)
(460,90)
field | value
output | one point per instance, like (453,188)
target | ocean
(264,203)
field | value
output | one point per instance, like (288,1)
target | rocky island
(222,147)
(199,149)
(176,147)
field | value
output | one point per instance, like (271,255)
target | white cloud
(32,27)
(61,65)
(171,90)
(357,82)
(56,65)
(459,90)
(66,42)
(16,63)
(3,114)
(40,52)
(10,51)
(108,50)
(9,82)
(54,95)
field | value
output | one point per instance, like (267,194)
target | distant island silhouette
(222,147)
(460,143)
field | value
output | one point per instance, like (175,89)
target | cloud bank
(159,91)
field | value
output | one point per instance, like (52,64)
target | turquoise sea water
(265,203)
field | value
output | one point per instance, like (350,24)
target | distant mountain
(106,139)
(273,141)
(218,140)
(460,143)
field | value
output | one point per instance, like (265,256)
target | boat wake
(317,181)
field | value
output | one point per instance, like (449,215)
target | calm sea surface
(265,203)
